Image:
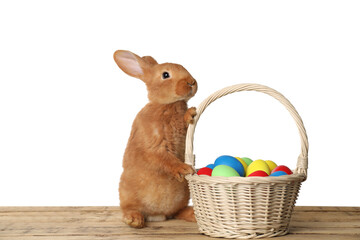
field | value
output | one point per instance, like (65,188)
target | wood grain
(94,223)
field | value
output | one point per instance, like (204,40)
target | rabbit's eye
(165,75)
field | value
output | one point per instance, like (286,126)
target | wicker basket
(245,207)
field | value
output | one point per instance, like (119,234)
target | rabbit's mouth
(193,88)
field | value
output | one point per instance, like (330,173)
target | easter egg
(248,161)
(242,162)
(210,166)
(271,165)
(224,171)
(258,173)
(282,168)
(278,173)
(256,166)
(231,162)
(205,171)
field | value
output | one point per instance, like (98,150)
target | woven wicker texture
(245,207)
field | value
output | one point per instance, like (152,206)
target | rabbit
(152,186)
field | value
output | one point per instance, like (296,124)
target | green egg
(224,171)
(248,161)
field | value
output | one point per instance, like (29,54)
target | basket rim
(272,180)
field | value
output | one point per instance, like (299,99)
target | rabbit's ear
(130,63)
(150,60)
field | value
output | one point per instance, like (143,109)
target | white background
(66,109)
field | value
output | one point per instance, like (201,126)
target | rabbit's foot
(180,170)
(134,219)
(189,115)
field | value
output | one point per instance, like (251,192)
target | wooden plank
(76,223)
(176,237)
(111,211)
(170,229)
(113,237)
(286,237)
(116,208)
(73,215)
(325,209)
(70,225)
(115,216)
(68,211)
(344,224)
(180,237)
(59,209)
(326,217)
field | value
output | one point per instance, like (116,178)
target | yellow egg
(243,163)
(271,164)
(256,166)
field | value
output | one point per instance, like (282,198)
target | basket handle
(302,162)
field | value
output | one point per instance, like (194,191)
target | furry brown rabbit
(152,185)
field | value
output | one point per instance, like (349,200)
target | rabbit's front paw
(181,170)
(189,115)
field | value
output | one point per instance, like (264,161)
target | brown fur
(152,183)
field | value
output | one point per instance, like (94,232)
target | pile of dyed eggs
(228,166)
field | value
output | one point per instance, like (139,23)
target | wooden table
(75,223)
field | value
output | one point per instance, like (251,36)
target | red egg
(258,173)
(204,171)
(282,168)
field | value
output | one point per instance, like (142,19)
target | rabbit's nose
(192,83)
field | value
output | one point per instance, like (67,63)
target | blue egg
(278,173)
(211,166)
(231,162)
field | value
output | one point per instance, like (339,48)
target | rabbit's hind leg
(186,214)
